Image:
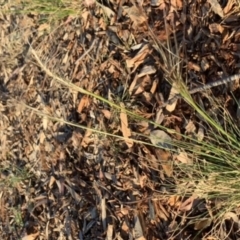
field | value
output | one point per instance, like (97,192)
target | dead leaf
(205,64)
(160,138)
(135,15)
(31,236)
(89,3)
(216,7)
(203,224)
(84,103)
(138,229)
(200,134)
(87,137)
(231,216)
(107,114)
(173,200)
(190,127)
(211,238)
(109,232)
(125,227)
(138,58)
(176,4)
(187,205)
(164,157)
(124,126)
(193,66)
(174,91)
(147,70)
(160,210)
(44,27)
(216,28)
(173,226)
(183,158)
(109,12)
(229,6)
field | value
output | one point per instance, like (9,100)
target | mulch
(59,181)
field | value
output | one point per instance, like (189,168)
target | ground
(94,142)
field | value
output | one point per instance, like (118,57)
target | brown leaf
(89,3)
(124,126)
(84,102)
(107,114)
(161,139)
(109,13)
(164,158)
(174,91)
(183,158)
(135,15)
(187,205)
(173,200)
(176,4)
(216,28)
(31,236)
(158,3)
(139,57)
(87,136)
(216,7)
(193,66)
(202,224)
(229,6)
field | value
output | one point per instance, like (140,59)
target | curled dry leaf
(124,127)
(188,204)
(138,58)
(147,70)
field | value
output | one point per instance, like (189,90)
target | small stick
(205,87)
(216,83)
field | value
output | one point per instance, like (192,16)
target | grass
(50,11)
(215,171)
(221,163)
(217,165)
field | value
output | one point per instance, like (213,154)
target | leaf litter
(80,184)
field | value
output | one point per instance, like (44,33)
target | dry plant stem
(205,87)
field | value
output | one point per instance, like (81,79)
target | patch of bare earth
(59,181)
